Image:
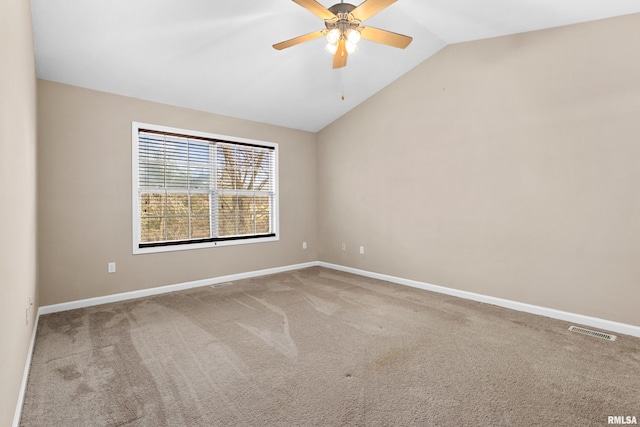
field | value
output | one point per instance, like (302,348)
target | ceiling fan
(344,30)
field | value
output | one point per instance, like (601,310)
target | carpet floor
(318,347)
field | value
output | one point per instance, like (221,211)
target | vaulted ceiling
(217,56)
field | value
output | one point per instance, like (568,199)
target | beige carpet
(317,347)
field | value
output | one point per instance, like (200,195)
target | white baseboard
(607,325)
(168,288)
(594,322)
(25,375)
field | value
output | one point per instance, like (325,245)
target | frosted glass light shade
(333,36)
(353,36)
(331,48)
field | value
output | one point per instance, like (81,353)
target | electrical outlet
(361,250)
(111,267)
(344,246)
(304,245)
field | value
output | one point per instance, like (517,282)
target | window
(194,190)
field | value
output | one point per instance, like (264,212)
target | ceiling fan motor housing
(344,19)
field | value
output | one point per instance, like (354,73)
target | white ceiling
(216,56)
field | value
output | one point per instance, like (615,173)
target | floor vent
(596,334)
(219,285)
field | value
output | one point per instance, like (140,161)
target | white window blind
(195,190)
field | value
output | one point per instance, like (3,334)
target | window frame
(170,246)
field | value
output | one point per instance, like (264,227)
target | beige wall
(507,167)
(17,198)
(84,163)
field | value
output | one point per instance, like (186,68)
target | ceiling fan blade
(368,8)
(340,57)
(316,8)
(385,37)
(298,40)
